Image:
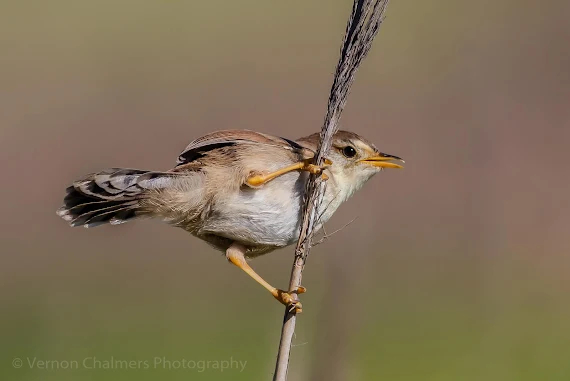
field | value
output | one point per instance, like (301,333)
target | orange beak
(383,160)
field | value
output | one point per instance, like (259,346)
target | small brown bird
(241,191)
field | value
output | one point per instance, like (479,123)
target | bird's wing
(220,139)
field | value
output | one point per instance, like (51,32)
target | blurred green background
(455,269)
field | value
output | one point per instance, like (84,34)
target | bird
(240,191)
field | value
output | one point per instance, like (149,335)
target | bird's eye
(349,151)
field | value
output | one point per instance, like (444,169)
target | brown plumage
(211,170)
(241,191)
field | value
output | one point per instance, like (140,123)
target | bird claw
(318,169)
(290,300)
(295,307)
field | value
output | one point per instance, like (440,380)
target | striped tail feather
(112,196)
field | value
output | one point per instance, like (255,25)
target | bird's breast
(268,215)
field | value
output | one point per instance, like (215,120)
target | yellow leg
(257,180)
(236,255)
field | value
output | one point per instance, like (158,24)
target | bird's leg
(236,255)
(256,180)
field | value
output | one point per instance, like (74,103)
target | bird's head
(354,160)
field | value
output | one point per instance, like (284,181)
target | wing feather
(225,138)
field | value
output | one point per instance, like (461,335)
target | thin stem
(362,27)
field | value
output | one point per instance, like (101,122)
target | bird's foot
(318,169)
(257,179)
(290,299)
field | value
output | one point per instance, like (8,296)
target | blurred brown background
(456,268)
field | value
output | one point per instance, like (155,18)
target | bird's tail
(113,196)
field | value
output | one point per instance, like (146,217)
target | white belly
(267,215)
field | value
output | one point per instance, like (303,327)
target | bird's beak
(383,160)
